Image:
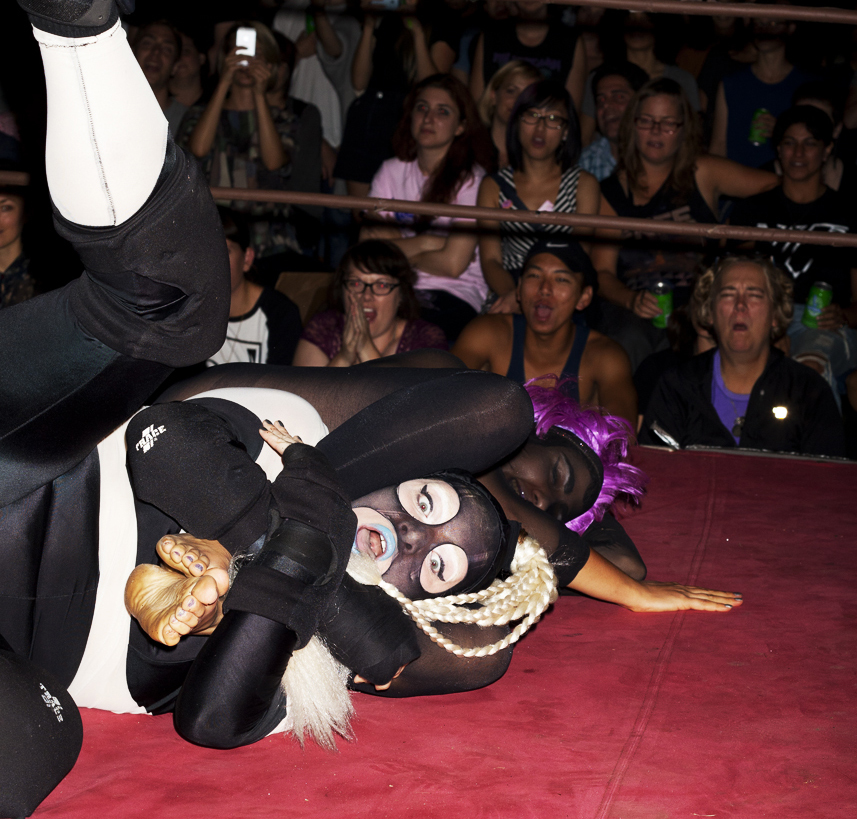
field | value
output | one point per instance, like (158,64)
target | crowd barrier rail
(713,8)
(635,226)
(640,227)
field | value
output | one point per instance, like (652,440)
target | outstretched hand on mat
(676,597)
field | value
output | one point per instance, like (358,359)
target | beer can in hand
(663,292)
(757,134)
(820,295)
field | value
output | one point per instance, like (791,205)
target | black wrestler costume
(73,365)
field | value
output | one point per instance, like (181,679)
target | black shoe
(75,18)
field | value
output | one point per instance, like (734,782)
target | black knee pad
(40,731)
(192,465)
(156,287)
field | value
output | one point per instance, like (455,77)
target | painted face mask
(432,536)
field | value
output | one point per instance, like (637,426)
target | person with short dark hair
(186,84)
(17,283)
(374,311)
(745,392)
(157,47)
(614,86)
(543,144)
(645,40)
(548,337)
(840,171)
(767,83)
(264,324)
(803,138)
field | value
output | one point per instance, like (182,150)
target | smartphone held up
(245,42)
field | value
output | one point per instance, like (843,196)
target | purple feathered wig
(606,435)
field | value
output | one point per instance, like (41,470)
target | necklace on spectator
(738,426)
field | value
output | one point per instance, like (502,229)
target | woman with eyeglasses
(374,312)
(543,146)
(660,175)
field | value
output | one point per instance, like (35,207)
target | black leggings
(77,362)
(74,365)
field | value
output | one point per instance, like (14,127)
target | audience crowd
(516,106)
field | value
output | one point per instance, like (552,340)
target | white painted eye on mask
(429,501)
(444,567)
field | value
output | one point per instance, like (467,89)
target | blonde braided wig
(524,596)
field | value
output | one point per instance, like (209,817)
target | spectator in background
(645,41)
(535,36)
(375,312)
(264,325)
(745,392)
(614,85)
(732,51)
(336,36)
(839,172)
(803,139)
(768,83)
(297,247)
(16,282)
(661,174)
(441,151)
(245,142)
(686,339)
(498,102)
(186,84)
(157,48)
(395,51)
(547,339)
(543,142)
(309,82)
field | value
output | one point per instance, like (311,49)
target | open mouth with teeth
(375,540)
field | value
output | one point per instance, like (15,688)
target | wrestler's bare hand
(676,597)
(194,557)
(277,436)
(169,605)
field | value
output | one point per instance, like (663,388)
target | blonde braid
(523,596)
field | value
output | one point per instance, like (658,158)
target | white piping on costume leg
(107,135)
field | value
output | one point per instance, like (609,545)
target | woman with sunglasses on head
(442,149)
(662,175)
(374,311)
(543,146)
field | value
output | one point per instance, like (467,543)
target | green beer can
(757,135)
(663,292)
(820,295)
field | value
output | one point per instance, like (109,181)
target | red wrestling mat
(604,713)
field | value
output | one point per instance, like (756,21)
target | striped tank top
(518,237)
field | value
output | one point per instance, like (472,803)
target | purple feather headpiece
(607,435)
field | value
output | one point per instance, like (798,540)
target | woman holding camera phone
(241,140)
